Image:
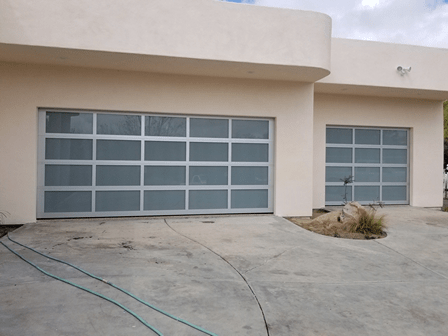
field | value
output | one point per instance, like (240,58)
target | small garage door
(94,164)
(376,158)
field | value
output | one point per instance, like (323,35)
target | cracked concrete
(217,272)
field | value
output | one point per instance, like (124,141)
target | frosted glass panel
(68,122)
(209,128)
(68,175)
(395,137)
(394,193)
(336,194)
(164,200)
(249,199)
(250,129)
(117,200)
(119,124)
(208,151)
(397,156)
(165,151)
(339,155)
(68,201)
(165,175)
(120,150)
(118,175)
(395,174)
(367,194)
(68,149)
(339,136)
(367,137)
(208,175)
(208,199)
(336,174)
(250,152)
(250,175)
(367,155)
(367,174)
(166,126)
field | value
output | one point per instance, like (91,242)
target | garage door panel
(129,164)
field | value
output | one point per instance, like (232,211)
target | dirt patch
(329,225)
(4,229)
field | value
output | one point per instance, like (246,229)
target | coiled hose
(100,295)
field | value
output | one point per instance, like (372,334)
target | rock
(351,211)
(328,217)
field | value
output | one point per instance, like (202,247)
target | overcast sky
(418,22)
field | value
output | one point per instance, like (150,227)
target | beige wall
(25,88)
(423,117)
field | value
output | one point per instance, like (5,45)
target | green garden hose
(110,284)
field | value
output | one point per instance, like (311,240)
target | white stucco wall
(25,88)
(424,118)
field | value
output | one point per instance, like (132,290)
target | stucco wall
(423,117)
(25,88)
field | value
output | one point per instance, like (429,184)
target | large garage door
(95,164)
(377,159)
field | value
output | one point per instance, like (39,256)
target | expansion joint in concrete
(234,268)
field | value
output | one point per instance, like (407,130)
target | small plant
(367,223)
(347,180)
(445,209)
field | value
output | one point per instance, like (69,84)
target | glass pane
(208,151)
(339,136)
(398,156)
(68,149)
(165,175)
(120,150)
(209,128)
(165,151)
(339,155)
(395,174)
(66,175)
(394,193)
(117,175)
(336,174)
(208,175)
(336,194)
(250,129)
(208,199)
(118,124)
(367,194)
(250,175)
(68,201)
(367,137)
(166,126)
(67,122)
(250,152)
(117,201)
(395,137)
(164,200)
(367,155)
(249,199)
(367,174)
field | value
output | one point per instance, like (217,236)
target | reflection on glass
(242,152)
(166,126)
(394,193)
(117,175)
(367,174)
(249,199)
(339,136)
(250,129)
(68,149)
(367,137)
(336,194)
(395,174)
(250,175)
(68,175)
(367,155)
(119,124)
(120,150)
(68,201)
(164,200)
(165,175)
(208,175)
(336,174)
(165,151)
(397,156)
(367,193)
(117,200)
(209,128)
(395,137)
(208,199)
(208,151)
(68,122)
(339,155)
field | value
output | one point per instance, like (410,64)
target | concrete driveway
(230,275)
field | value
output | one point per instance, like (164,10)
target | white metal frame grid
(41,188)
(380,165)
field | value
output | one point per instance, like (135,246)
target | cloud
(418,22)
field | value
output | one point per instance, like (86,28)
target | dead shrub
(367,223)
